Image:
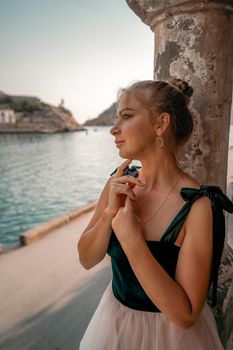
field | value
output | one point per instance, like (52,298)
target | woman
(163,230)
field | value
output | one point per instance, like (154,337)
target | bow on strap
(215,194)
(219,201)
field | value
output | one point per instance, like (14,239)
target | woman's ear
(162,122)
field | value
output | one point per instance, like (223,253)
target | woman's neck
(159,172)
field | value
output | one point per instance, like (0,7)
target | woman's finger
(123,189)
(127,179)
(122,167)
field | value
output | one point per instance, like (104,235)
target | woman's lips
(118,143)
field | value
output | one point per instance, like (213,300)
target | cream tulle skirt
(117,327)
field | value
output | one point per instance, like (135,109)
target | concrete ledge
(38,232)
(1,248)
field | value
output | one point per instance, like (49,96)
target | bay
(45,175)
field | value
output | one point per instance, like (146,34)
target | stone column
(194,42)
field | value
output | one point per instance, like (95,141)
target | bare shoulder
(194,263)
(199,221)
(189,181)
(201,210)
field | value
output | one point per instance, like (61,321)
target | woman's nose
(114,129)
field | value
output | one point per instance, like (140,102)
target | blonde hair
(171,97)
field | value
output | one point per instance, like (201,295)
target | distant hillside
(107,116)
(29,114)
(104,118)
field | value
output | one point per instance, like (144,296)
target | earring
(159,141)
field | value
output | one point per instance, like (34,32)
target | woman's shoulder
(201,205)
(189,182)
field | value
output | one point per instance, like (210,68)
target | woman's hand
(126,224)
(121,188)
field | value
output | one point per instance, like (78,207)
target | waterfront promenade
(47,297)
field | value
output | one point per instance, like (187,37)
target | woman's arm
(93,243)
(182,299)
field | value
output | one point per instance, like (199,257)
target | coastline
(39,231)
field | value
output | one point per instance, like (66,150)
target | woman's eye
(126,116)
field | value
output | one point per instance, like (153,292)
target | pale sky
(78,50)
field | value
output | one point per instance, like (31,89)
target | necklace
(164,200)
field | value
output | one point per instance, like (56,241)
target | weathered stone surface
(33,115)
(224,310)
(152,12)
(194,42)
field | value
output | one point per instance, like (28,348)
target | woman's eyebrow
(125,109)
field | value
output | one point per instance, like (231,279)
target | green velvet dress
(126,318)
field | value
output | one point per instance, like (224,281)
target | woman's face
(133,128)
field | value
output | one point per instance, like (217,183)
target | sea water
(45,175)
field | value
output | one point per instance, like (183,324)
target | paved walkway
(47,297)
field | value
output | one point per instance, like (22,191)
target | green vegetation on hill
(21,105)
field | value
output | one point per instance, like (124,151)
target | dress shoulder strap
(219,202)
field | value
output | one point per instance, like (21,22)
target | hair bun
(183,86)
